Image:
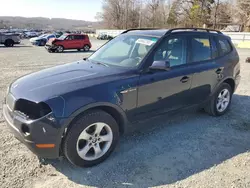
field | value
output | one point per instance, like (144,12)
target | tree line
(124,14)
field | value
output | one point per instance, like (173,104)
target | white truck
(9,39)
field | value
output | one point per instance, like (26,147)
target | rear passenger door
(203,54)
(79,40)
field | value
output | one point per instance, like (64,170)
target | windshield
(62,37)
(124,50)
(41,36)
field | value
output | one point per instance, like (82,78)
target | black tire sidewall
(215,98)
(62,49)
(69,144)
(9,43)
(42,43)
(84,48)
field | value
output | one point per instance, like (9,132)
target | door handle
(219,71)
(184,79)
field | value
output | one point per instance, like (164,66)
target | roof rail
(191,28)
(139,29)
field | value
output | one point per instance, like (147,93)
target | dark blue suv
(80,109)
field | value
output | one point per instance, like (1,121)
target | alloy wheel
(94,141)
(86,48)
(223,100)
(60,49)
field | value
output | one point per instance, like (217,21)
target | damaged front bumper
(42,136)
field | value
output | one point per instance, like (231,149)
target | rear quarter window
(225,46)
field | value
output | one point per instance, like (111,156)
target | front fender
(66,122)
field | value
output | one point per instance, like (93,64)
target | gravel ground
(190,149)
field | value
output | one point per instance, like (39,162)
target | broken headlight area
(31,110)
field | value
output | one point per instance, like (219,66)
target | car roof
(75,34)
(162,32)
(153,32)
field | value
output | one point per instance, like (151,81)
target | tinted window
(224,46)
(200,49)
(70,37)
(79,37)
(172,50)
(214,49)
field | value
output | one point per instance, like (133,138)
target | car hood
(52,40)
(58,80)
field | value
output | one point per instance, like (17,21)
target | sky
(71,9)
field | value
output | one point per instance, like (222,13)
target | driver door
(162,91)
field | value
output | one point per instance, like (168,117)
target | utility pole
(140,13)
(215,13)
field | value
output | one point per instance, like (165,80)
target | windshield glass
(124,50)
(41,36)
(62,37)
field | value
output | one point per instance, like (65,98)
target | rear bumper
(41,131)
(237,81)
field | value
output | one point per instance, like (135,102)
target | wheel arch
(115,111)
(231,82)
(228,80)
(8,39)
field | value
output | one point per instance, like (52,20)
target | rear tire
(9,43)
(86,48)
(220,101)
(91,138)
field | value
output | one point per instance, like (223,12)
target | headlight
(32,110)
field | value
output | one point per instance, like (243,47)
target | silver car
(9,39)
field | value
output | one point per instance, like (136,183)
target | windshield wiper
(96,62)
(100,63)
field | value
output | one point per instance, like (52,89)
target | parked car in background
(31,34)
(42,39)
(69,41)
(58,34)
(104,36)
(9,39)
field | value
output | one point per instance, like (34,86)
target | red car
(69,41)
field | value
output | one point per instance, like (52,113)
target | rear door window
(79,37)
(214,48)
(201,49)
(225,46)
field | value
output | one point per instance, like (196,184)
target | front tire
(91,139)
(60,49)
(42,43)
(221,101)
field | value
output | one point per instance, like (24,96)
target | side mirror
(160,65)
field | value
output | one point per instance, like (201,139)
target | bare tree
(123,14)
(243,13)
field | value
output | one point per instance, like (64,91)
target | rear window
(225,46)
(201,49)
